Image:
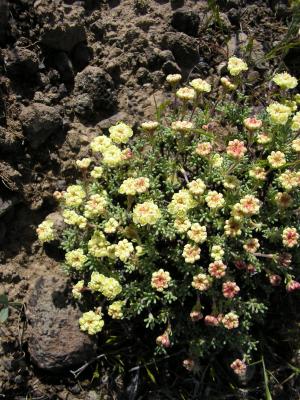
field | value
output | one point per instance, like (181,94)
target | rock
(20,62)
(39,122)
(81,56)
(176,3)
(5,206)
(170,67)
(114,119)
(94,90)
(62,63)
(63,36)
(98,29)
(55,341)
(186,20)
(143,75)
(183,47)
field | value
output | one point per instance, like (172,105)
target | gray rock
(186,20)
(63,36)
(5,206)
(170,67)
(54,337)
(20,62)
(113,120)
(94,90)
(183,47)
(39,122)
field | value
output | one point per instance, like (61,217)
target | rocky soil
(69,69)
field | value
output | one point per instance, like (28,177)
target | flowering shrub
(191,224)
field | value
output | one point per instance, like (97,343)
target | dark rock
(94,90)
(54,337)
(9,177)
(20,62)
(63,36)
(186,20)
(170,67)
(62,63)
(81,56)
(176,3)
(5,206)
(183,47)
(8,143)
(113,120)
(2,232)
(39,122)
(143,75)
(98,29)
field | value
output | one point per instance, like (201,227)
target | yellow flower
(283,199)
(77,290)
(74,196)
(204,148)
(115,309)
(276,159)
(109,287)
(236,66)
(279,113)
(231,182)
(214,199)
(76,259)
(181,203)
(97,245)
(120,133)
(290,237)
(111,225)
(182,126)
(97,172)
(160,280)
(251,245)
(296,122)
(182,225)
(100,143)
(232,228)
(296,145)
(173,78)
(146,213)
(263,138)
(191,253)
(150,126)
(200,85)
(186,94)
(250,205)
(202,282)
(95,206)
(227,84)
(141,184)
(91,322)
(112,156)
(83,163)
(128,187)
(45,231)
(72,218)
(217,252)
(124,249)
(216,160)
(252,124)
(237,212)
(197,187)
(288,179)
(258,173)
(285,81)
(197,233)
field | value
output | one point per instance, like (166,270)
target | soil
(67,70)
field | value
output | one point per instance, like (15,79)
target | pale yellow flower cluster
(197,187)
(109,287)
(232,227)
(202,282)
(149,126)
(72,218)
(45,231)
(186,94)
(146,213)
(296,145)
(160,280)
(197,233)
(111,225)
(100,143)
(95,206)
(77,290)
(258,173)
(236,66)
(279,113)
(296,122)
(191,253)
(231,182)
(228,84)
(217,252)
(97,172)
(204,149)
(124,249)
(216,161)
(84,163)
(285,81)
(76,259)
(133,186)
(283,199)
(214,200)
(182,224)
(112,156)
(120,133)
(182,126)
(115,309)
(98,244)
(173,78)
(290,237)
(263,138)
(289,179)
(277,159)
(181,203)
(74,196)
(91,322)
(251,245)
(200,85)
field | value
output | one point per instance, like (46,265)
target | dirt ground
(69,69)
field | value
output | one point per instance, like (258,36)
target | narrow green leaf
(3,314)
(151,376)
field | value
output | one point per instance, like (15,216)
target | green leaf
(267,390)
(3,315)
(3,299)
(151,376)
